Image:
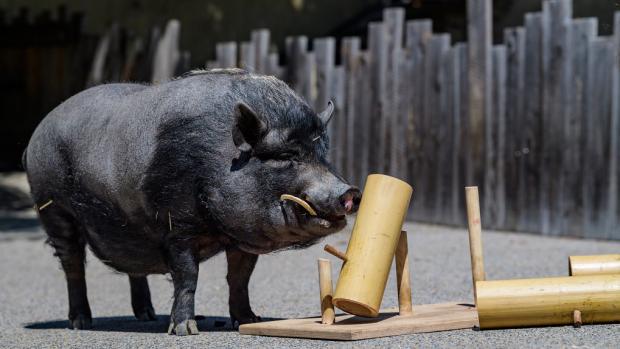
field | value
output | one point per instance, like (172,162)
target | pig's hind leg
(240,267)
(67,239)
(141,298)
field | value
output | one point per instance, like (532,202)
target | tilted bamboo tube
(326,291)
(372,245)
(594,265)
(548,301)
(474,224)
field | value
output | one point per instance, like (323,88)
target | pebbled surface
(33,300)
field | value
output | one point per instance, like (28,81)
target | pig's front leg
(240,267)
(184,271)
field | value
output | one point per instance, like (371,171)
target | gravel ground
(33,303)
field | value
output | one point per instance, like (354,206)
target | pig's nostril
(350,200)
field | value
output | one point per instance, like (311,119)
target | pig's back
(106,136)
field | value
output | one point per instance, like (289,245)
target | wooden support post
(475,236)
(402,276)
(325,284)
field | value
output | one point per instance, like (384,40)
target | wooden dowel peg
(475,236)
(326,291)
(577,318)
(402,276)
(335,252)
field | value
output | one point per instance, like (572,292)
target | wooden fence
(534,121)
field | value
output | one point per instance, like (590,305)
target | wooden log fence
(534,121)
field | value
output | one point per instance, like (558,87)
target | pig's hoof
(81,322)
(185,328)
(146,314)
(236,322)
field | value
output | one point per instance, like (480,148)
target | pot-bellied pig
(157,178)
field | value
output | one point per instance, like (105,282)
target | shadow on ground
(13,223)
(13,199)
(130,324)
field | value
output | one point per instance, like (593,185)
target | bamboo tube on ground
(326,291)
(548,301)
(474,224)
(372,245)
(594,265)
(402,276)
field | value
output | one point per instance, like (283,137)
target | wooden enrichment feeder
(376,240)
(594,265)
(576,300)
(372,245)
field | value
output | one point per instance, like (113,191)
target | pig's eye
(284,156)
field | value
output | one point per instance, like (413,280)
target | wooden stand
(407,319)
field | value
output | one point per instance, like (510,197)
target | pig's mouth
(323,223)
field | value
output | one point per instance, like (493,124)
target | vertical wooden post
(326,290)
(529,214)
(419,33)
(226,54)
(260,38)
(597,138)
(613,214)
(325,55)
(338,141)
(377,50)
(556,96)
(350,54)
(246,56)
(394,151)
(475,236)
(495,143)
(402,276)
(514,39)
(479,33)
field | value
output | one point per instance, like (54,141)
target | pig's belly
(128,251)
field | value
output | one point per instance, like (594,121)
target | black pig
(156,179)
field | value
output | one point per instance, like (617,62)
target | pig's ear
(249,129)
(326,115)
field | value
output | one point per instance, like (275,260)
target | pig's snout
(350,200)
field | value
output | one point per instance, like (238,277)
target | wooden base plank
(425,318)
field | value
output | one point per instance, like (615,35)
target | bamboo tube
(325,285)
(548,301)
(475,235)
(372,245)
(402,276)
(594,265)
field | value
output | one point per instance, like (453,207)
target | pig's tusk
(301,202)
(42,207)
